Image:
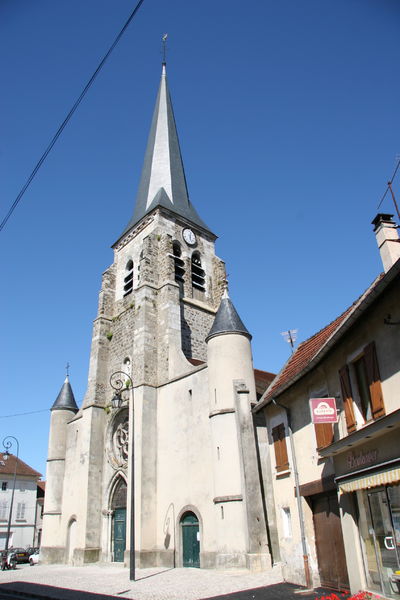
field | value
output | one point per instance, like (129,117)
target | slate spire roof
(65,399)
(227,319)
(163,181)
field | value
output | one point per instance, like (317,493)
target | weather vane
(164,47)
(67,368)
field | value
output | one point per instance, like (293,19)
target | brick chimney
(387,238)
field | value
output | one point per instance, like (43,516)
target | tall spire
(163,181)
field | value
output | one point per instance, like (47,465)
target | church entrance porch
(190,540)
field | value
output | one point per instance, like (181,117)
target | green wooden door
(190,540)
(119,534)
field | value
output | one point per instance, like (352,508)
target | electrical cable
(390,182)
(69,115)
(33,412)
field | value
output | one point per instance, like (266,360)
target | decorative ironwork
(120,382)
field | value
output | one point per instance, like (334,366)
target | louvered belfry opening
(128,279)
(198,276)
(179,265)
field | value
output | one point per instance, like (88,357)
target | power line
(389,184)
(68,117)
(33,412)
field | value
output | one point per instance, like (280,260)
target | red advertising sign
(323,410)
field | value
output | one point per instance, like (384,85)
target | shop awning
(369,481)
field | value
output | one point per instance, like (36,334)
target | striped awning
(371,480)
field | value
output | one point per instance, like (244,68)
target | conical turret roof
(163,181)
(65,399)
(227,320)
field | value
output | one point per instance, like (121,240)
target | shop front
(367,466)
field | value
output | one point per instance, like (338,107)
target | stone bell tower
(157,304)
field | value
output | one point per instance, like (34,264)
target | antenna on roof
(290,337)
(390,189)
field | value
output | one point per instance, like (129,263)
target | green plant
(109,336)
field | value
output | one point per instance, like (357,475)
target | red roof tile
(7,466)
(309,349)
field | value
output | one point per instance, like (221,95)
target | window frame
(278,434)
(350,383)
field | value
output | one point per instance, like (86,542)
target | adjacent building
(341,522)
(24,523)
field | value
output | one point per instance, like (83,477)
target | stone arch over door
(189,527)
(118,504)
(71,540)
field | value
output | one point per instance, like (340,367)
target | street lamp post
(119,386)
(7,443)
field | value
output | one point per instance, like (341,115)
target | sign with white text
(323,410)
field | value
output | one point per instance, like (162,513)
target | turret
(229,355)
(62,411)
(238,504)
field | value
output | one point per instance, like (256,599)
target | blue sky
(288,116)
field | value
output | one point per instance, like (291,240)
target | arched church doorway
(118,506)
(190,540)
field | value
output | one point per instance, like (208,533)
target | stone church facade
(168,328)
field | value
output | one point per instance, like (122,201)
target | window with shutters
(323,434)
(323,431)
(128,279)
(361,389)
(281,455)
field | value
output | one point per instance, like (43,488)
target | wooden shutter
(347,397)
(374,381)
(323,434)
(281,455)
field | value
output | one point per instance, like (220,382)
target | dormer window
(198,275)
(128,279)
(178,263)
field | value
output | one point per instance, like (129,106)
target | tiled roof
(263,380)
(196,361)
(42,485)
(310,349)
(7,466)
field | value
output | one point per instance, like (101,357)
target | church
(164,439)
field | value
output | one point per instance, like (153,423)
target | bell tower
(186,414)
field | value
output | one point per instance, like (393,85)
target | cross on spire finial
(164,47)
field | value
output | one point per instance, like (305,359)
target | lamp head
(116,400)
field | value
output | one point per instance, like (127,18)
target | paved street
(101,582)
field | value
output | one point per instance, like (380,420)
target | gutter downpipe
(299,506)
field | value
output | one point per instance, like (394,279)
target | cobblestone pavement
(56,581)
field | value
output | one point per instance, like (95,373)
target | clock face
(189,237)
